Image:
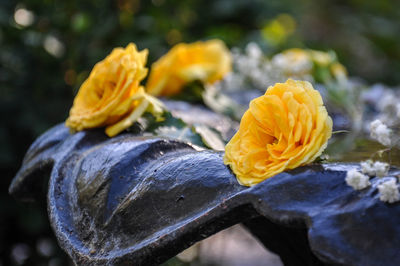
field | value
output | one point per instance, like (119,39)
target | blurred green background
(48,47)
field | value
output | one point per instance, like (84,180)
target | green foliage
(174,128)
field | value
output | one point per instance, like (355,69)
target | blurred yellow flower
(285,128)
(205,61)
(320,58)
(339,71)
(279,29)
(294,62)
(112,96)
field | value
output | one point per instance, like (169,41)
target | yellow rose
(285,128)
(112,96)
(205,61)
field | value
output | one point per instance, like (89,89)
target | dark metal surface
(134,200)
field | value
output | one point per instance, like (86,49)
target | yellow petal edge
(285,128)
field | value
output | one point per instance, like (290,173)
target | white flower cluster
(386,101)
(390,103)
(389,107)
(379,169)
(357,180)
(231,82)
(380,132)
(293,63)
(388,189)
(253,69)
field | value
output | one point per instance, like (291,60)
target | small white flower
(293,62)
(383,135)
(388,191)
(391,113)
(387,103)
(253,50)
(381,169)
(380,132)
(231,82)
(374,124)
(357,180)
(367,167)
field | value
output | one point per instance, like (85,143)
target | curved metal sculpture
(140,200)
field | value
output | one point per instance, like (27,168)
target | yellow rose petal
(128,121)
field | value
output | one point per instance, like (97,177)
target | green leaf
(187,134)
(191,92)
(175,128)
(168,120)
(210,137)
